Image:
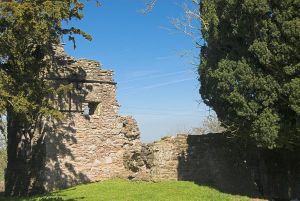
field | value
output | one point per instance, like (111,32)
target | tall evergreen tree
(28,30)
(250,70)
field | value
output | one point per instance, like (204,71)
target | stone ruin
(90,143)
(94,143)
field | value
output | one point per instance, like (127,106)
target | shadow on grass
(39,198)
(59,199)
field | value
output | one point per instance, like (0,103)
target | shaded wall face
(278,173)
(214,161)
(207,160)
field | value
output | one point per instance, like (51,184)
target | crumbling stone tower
(89,144)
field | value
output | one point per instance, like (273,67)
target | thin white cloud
(149,76)
(166,83)
(137,89)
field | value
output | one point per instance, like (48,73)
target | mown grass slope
(134,191)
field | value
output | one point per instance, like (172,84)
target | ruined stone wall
(94,143)
(89,144)
(222,163)
(204,159)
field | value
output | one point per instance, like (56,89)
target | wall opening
(90,108)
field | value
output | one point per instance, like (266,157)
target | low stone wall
(220,162)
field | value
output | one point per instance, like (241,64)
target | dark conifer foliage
(250,70)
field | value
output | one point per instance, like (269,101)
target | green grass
(115,190)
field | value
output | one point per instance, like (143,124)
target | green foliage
(250,70)
(28,30)
(126,190)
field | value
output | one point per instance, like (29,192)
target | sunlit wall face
(3,131)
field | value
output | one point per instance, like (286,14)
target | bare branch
(209,125)
(189,23)
(149,6)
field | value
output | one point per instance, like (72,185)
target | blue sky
(153,63)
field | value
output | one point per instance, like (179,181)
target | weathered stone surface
(89,144)
(220,162)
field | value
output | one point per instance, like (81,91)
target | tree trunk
(24,164)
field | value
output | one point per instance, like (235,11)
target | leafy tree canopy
(250,70)
(28,30)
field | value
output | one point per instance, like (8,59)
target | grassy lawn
(115,190)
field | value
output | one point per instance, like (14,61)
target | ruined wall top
(93,87)
(79,69)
